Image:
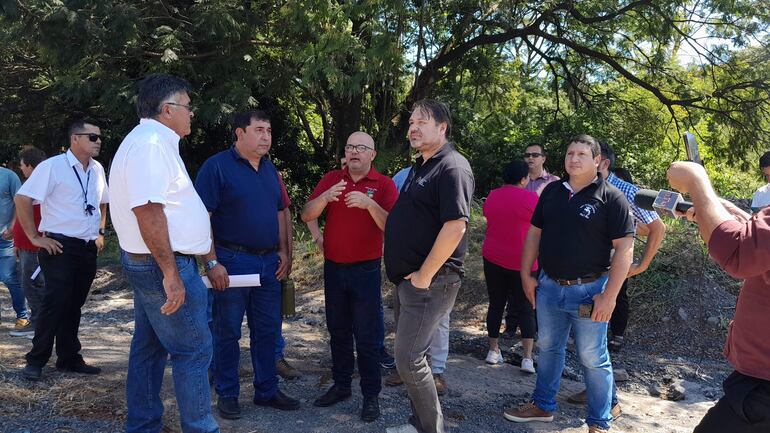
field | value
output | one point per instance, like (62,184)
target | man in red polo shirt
(357,200)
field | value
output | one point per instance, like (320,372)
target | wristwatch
(102,232)
(210,265)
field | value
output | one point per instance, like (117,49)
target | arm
(218,274)
(689,177)
(26,217)
(289,238)
(102,225)
(528,255)
(153,227)
(363,201)
(315,232)
(283,247)
(604,303)
(656,232)
(446,242)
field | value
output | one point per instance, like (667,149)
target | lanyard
(82,188)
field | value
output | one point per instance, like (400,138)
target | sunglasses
(92,137)
(532,155)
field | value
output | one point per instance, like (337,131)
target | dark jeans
(262,306)
(68,278)
(34,290)
(504,284)
(745,407)
(418,313)
(619,320)
(353,302)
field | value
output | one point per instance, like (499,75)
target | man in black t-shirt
(576,225)
(425,246)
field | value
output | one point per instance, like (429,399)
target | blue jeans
(557,312)
(262,306)
(184,335)
(34,290)
(9,275)
(353,300)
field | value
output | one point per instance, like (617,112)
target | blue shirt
(9,184)
(400,177)
(243,202)
(629,190)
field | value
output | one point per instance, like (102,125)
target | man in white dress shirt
(72,192)
(162,225)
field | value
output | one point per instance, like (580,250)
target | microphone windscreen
(645,199)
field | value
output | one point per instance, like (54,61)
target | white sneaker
(527,365)
(495,357)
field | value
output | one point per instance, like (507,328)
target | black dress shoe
(229,408)
(31,372)
(334,395)
(371,409)
(279,401)
(79,367)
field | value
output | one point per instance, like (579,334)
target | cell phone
(585,310)
(691,147)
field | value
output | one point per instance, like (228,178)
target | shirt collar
(598,180)
(373,174)
(165,132)
(73,161)
(237,155)
(443,151)
(543,175)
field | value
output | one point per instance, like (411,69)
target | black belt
(61,237)
(241,249)
(350,265)
(446,270)
(590,278)
(138,256)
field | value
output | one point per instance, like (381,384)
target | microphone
(663,202)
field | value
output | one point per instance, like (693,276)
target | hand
(99,244)
(8,234)
(529,284)
(175,293)
(51,245)
(635,269)
(288,267)
(218,277)
(418,280)
(358,199)
(689,215)
(319,241)
(684,175)
(603,307)
(283,265)
(333,193)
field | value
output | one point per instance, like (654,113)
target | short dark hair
(764,160)
(590,141)
(608,153)
(243,119)
(438,110)
(542,148)
(31,155)
(515,171)
(156,88)
(623,174)
(78,126)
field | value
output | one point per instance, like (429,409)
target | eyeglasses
(360,148)
(532,155)
(92,136)
(189,108)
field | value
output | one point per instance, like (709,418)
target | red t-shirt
(284,194)
(509,211)
(20,239)
(350,234)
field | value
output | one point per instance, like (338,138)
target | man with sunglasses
(534,156)
(72,191)
(357,200)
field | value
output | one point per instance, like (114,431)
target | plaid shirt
(630,190)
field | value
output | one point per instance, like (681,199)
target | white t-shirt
(63,195)
(147,168)
(761,197)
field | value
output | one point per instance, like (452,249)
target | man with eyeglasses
(357,200)
(162,225)
(72,191)
(534,156)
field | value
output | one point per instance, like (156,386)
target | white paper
(35,274)
(248,280)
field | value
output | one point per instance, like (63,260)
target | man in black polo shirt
(425,248)
(576,225)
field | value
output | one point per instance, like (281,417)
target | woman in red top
(508,210)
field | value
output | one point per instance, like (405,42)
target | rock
(683,314)
(654,390)
(621,375)
(713,320)
(666,319)
(673,391)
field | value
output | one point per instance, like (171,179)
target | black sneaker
(79,367)
(229,408)
(370,410)
(279,401)
(32,372)
(387,361)
(334,395)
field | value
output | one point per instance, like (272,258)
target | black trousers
(504,285)
(619,320)
(68,278)
(745,407)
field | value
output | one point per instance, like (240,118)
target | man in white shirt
(162,225)
(761,198)
(72,192)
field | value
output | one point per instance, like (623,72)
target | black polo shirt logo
(587,210)
(421,181)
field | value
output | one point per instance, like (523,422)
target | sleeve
(208,185)
(284,194)
(40,183)
(389,195)
(620,221)
(741,248)
(644,216)
(148,174)
(325,183)
(105,198)
(455,190)
(755,200)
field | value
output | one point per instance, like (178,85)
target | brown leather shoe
(441,386)
(527,412)
(579,398)
(615,411)
(595,429)
(393,379)
(286,371)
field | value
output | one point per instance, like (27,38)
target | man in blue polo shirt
(240,189)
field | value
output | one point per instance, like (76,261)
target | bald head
(359,152)
(360,137)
